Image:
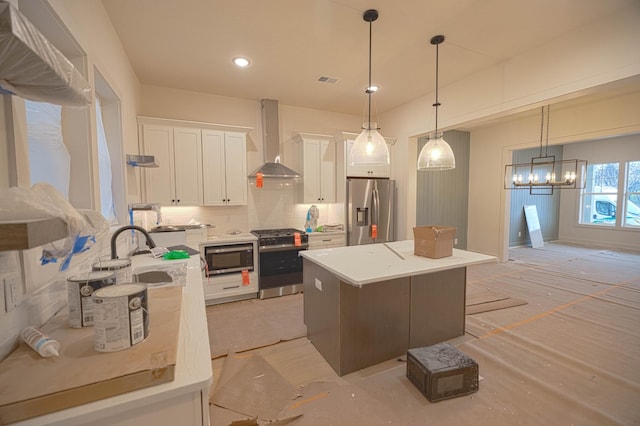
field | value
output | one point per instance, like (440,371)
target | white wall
(579,63)
(89,25)
(88,22)
(571,122)
(274,205)
(624,148)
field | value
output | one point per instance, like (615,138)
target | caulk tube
(40,342)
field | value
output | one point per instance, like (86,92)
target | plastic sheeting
(32,68)
(49,158)
(42,201)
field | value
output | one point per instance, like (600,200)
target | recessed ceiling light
(241,62)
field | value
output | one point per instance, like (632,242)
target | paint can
(79,290)
(121,317)
(121,267)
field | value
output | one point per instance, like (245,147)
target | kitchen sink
(173,274)
(153,277)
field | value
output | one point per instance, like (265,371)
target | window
(110,152)
(602,201)
(49,159)
(632,195)
(107,205)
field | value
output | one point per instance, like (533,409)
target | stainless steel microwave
(228,258)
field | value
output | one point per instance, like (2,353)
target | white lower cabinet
(219,289)
(322,240)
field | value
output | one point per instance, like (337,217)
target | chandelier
(543,174)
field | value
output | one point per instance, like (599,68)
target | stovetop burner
(281,236)
(280,232)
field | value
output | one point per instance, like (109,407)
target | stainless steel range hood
(272,168)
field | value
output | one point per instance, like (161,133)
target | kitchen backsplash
(44,287)
(272,206)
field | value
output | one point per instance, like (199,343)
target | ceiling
(189,44)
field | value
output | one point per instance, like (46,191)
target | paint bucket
(121,267)
(121,317)
(79,290)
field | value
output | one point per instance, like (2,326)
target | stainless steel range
(280,271)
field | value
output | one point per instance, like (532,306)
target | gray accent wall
(443,197)
(548,206)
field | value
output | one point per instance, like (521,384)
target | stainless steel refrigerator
(370,211)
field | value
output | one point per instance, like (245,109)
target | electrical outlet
(455,241)
(11,292)
(3,307)
(519,234)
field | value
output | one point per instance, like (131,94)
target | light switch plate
(318,284)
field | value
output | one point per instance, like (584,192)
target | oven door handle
(269,249)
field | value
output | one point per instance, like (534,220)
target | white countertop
(193,363)
(231,238)
(325,233)
(360,265)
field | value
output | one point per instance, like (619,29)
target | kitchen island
(370,303)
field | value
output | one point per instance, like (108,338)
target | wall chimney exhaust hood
(271,140)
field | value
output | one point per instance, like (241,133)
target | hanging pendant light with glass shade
(436,155)
(369,147)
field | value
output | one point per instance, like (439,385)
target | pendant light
(369,147)
(436,155)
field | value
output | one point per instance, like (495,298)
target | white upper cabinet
(178,153)
(316,161)
(187,150)
(199,163)
(225,168)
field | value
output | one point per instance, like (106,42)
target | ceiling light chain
(436,155)
(369,147)
(369,91)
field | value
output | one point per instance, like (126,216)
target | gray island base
(367,304)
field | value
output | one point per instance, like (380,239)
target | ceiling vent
(325,79)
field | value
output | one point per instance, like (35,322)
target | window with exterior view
(603,204)
(632,195)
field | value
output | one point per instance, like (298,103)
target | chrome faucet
(150,242)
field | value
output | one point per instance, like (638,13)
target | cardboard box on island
(433,241)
